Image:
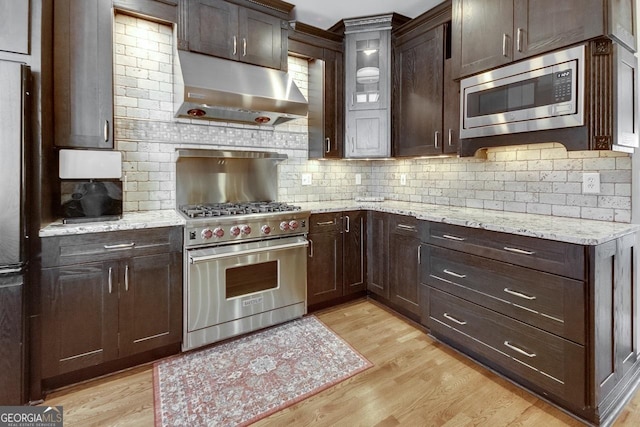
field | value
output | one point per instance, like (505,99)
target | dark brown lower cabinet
(336,266)
(393,258)
(404,259)
(126,303)
(12,340)
(569,333)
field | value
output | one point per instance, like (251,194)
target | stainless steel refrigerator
(14,168)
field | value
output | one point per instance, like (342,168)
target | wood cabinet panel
(150,303)
(354,243)
(368,134)
(230,31)
(404,258)
(553,303)
(336,266)
(83,74)
(482,34)
(12,340)
(160,10)
(324,51)
(615,308)
(262,39)
(127,301)
(377,249)
(418,99)
(488,34)
(546,255)
(80,317)
(530,354)
(213,28)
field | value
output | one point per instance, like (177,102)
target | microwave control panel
(562,86)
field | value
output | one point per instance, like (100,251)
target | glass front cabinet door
(367,86)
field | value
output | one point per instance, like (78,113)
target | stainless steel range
(245,260)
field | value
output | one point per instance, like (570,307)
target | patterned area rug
(244,380)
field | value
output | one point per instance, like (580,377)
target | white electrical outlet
(306,179)
(403,179)
(358,179)
(591,183)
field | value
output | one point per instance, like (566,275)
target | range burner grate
(206,210)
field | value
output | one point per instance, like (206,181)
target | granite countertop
(570,230)
(129,221)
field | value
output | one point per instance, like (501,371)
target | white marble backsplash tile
(541,179)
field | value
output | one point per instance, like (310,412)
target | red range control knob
(245,230)
(206,233)
(235,230)
(284,226)
(218,232)
(265,229)
(293,224)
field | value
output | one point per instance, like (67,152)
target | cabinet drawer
(405,225)
(114,245)
(325,222)
(550,302)
(561,258)
(551,364)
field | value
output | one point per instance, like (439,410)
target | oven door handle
(196,259)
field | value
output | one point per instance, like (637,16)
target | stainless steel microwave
(546,92)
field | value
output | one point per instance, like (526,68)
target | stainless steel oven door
(242,287)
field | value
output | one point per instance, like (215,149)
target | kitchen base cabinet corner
(336,263)
(559,319)
(109,301)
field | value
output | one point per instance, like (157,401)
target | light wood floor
(415,382)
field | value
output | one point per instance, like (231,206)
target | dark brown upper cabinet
(324,51)
(83,74)
(490,33)
(425,109)
(233,31)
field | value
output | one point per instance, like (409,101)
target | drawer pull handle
(518,251)
(450,237)
(407,227)
(519,294)
(326,223)
(453,319)
(454,274)
(519,350)
(120,246)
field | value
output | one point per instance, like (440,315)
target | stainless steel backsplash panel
(208,176)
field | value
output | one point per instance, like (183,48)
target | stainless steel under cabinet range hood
(206,87)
